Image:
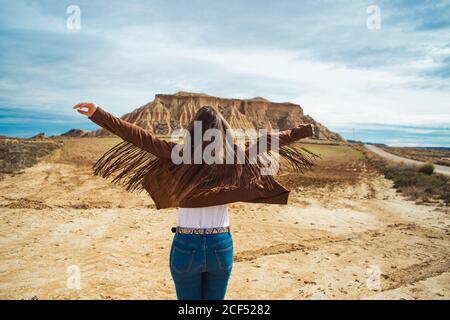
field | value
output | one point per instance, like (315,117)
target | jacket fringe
(128,165)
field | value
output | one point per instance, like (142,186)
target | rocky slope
(75,133)
(168,112)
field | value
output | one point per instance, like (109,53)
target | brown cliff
(168,112)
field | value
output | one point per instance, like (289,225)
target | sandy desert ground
(342,219)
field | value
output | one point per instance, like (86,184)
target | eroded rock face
(40,136)
(75,133)
(173,111)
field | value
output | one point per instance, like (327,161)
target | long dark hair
(209,118)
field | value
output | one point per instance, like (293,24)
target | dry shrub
(427,168)
(18,154)
(415,183)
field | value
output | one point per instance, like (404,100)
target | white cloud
(26,15)
(122,66)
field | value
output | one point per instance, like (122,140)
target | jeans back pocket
(181,259)
(224,257)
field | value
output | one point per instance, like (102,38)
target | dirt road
(346,236)
(389,156)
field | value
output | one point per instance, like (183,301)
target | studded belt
(184,230)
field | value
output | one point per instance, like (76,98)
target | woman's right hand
(86,108)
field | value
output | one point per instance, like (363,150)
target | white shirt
(206,217)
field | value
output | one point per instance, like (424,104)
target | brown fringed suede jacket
(143,161)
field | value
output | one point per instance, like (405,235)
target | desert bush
(427,168)
(18,154)
(413,182)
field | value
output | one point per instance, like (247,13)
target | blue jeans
(201,265)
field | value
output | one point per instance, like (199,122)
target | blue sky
(388,85)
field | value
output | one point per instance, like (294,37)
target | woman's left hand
(86,108)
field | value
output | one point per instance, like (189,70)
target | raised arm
(285,137)
(292,135)
(127,131)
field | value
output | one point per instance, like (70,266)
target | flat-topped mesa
(168,112)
